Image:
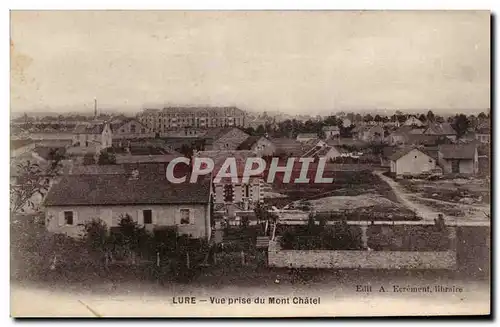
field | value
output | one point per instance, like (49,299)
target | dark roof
(249,143)
(89,129)
(441,129)
(116,125)
(128,158)
(402,152)
(458,151)
(16,144)
(122,190)
(48,153)
(427,139)
(331,128)
(217,133)
(97,170)
(307,135)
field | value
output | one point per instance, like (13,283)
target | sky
(296,62)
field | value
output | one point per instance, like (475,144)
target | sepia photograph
(279,163)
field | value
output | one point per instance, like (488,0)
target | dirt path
(422,211)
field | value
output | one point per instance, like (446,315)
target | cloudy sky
(295,62)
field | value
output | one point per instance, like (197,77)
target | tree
(261,130)
(106,158)
(439,119)
(130,236)
(31,180)
(461,124)
(481,116)
(422,118)
(430,116)
(368,118)
(358,118)
(97,239)
(377,118)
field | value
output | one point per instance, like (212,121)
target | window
(185,216)
(247,190)
(68,217)
(148,217)
(132,128)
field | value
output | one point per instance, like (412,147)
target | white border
(186,4)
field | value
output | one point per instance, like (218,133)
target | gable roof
(97,170)
(249,143)
(47,153)
(115,126)
(441,129)
(121,190)
(218,132)
(331,128)
(89,128)
(458,151)
(402,152)
(307,135)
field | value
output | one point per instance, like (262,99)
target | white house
(304,137)
(331,131)
(459,158)
(258,144)
(130,129)
(148,200)
(411,161)
(346,122)
(92,137)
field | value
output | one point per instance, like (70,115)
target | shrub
(340,237)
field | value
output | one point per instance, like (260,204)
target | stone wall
(361,259)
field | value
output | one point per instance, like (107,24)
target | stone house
(304,137)
(458,158)
(368,133)
(331,131)
(443,129)
(258,144)
(130,129)
(411,161)
(227,138)
(97,136)
(149,200)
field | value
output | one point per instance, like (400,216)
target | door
(455,166)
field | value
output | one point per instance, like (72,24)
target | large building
(161,120)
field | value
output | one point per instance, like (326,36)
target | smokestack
(95,108)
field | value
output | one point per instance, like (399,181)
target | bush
(340,237)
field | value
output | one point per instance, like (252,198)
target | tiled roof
(440,129)
(128,158)
(331,128)
(97,170)
(458,151)
(217,133)
(402,152)
(122,190)
(249,143)
(307,135)
(89,129)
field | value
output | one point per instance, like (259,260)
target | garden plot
(343,203)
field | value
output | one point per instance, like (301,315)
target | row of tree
(292,127)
